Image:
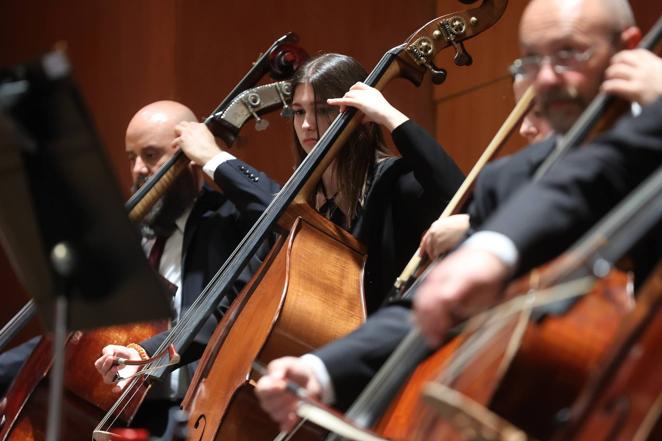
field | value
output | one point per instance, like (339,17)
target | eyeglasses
(562,61)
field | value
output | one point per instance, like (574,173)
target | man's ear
(630,37)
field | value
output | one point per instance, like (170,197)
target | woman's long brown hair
(330,76)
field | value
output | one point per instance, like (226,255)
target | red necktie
(156,252)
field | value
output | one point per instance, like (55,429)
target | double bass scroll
(281,60)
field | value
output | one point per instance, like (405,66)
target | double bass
(406,355)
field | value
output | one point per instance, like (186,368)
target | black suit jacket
(407,194)
(216,225)
(503,177)
(548,216)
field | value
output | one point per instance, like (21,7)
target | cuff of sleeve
(635,108)
(496,244)
(402,127)
(322,374)
(211,165)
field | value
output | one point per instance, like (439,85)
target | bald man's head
(149,145)
(609,16)
(566,47)
(150,134)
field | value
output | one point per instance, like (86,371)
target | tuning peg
(284,89)
(462,57)
(252,101)
(438,75)
(261,124)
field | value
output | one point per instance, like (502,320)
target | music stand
(62,218)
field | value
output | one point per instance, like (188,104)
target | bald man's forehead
(154,125)
(553,24)
(171,109)
(159,117)
(152,131)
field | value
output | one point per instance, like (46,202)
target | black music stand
(62,218)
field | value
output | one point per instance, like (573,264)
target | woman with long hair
(386,201)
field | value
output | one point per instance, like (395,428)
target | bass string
(123,402)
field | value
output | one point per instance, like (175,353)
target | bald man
(198,229)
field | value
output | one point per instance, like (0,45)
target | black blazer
(502,178)
(355,359)
(216,225)
(407,194)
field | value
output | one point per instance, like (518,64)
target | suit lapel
(206,201)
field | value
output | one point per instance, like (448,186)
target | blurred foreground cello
(529,364)
(623,402)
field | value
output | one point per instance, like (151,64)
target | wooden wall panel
(225,38)
(121,52)
(127,53)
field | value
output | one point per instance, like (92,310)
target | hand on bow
(279,402)
(443,235)
(466,282)
(111,372)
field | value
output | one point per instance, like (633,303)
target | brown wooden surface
(554,360)
(624,399)
(557,356)
(410,419)
(86,397)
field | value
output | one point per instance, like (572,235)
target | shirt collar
(180,222)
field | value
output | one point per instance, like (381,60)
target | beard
(160,220)
(562,107)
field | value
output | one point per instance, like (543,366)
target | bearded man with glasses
(571,50)
(567,47)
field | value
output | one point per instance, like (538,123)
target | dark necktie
(156,252)
(154,260)
(331,211)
